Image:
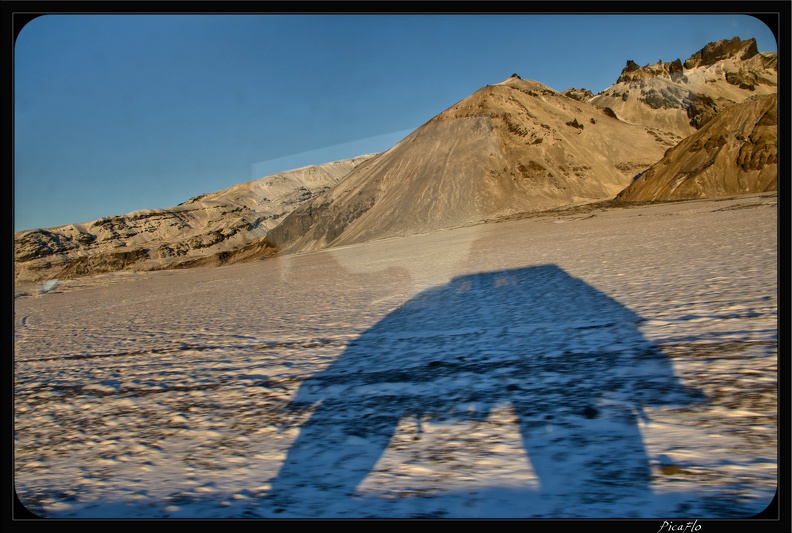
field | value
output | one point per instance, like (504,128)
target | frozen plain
(610,363)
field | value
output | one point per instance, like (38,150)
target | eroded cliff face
(735,153)
(212,228)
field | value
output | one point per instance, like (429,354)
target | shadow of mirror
(568,359)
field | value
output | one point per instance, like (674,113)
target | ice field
(609,363)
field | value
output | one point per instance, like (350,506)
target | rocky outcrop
(675,98)
(632,72)
(735,153)
(581,95)
(712,53)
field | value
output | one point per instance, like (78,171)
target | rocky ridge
(209,229)
(677,98)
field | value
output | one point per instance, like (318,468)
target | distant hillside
(205,230)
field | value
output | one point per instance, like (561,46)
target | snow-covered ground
(612,363)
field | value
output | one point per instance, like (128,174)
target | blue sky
(114,113)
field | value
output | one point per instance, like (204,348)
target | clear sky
(115,113)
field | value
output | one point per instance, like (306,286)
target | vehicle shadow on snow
(569,360)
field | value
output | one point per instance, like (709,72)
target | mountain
(511,147)
(672,130)
(207,229)
(519,146)
(734,153)
(677,98)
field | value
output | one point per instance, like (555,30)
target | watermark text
(679,527)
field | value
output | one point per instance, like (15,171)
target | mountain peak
(723,49)
(516,82)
